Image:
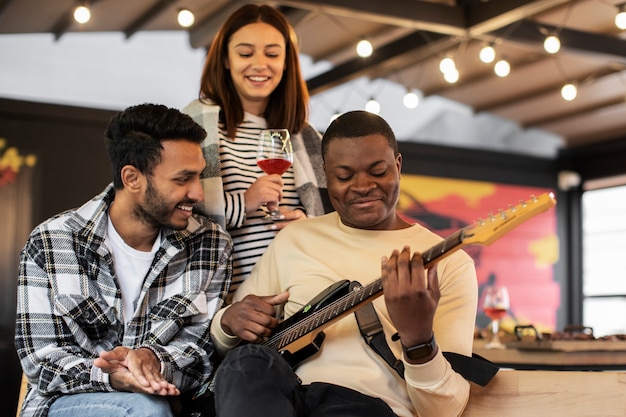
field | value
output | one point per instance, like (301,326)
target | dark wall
(71,168)
(69,143)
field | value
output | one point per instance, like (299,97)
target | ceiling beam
(592,76)
(150,14)
(383,56)
(470,21)
(565,115)
(415,14)
(488,16)
(575,41)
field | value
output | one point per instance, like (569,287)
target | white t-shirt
(131,267)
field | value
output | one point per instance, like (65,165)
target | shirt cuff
(159,354)
(223,342)
(427,374)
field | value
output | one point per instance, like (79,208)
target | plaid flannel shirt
(69,305)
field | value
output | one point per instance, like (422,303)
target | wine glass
(274,156)
(495,305)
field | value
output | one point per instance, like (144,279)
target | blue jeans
(110,404)
(255,380)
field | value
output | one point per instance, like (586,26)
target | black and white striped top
(250,234)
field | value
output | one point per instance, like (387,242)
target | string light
(185,18)
(487,54)
(372,106)
(451,76)
(364,48)
(552,44)
(502,68)
(410,100)
(447,64)
(569,92)
(82,14)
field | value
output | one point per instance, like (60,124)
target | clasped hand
(135,370)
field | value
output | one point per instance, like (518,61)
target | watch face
(420,351)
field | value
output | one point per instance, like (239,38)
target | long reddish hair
(288,103)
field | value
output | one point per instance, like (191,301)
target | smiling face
(363,175)
(256,61)
(174,186)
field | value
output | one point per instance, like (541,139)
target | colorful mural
(522,259)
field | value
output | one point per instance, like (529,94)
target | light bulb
(451,76)
(569,92)
(487,54)
(364,48)
(82,14)
(185,18)
(552,44)
(620,20)
(410,100)
(372,106)
(447,64)
(502,68)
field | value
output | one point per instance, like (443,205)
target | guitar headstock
(485,231)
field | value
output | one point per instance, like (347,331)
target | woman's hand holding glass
(274,157)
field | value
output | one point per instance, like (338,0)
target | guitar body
(323,299)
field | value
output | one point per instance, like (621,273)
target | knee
(144,405)
(251,362)
(252,357)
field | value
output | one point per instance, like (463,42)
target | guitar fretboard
(354,298)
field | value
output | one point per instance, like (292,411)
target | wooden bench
(550,393)
(539,394)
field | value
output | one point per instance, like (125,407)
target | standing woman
(252,81)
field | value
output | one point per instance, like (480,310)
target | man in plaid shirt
(115,298)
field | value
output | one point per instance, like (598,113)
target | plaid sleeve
(49,351)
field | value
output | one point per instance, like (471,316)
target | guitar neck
(356,299)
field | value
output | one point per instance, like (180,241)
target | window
(604,260)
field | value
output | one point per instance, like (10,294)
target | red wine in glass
(495,303)
(274,156)
(274,166)
(495,313)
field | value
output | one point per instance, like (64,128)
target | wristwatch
(420,351)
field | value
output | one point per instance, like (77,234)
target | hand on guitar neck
(253,318)
(411,295)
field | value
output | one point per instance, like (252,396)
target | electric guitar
(301,335)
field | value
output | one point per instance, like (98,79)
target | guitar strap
(475,368)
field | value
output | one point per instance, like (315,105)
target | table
(563,360)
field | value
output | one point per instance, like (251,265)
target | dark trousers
(254,380)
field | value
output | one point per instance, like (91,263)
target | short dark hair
(134,136)
(358,123)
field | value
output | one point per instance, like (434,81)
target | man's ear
(131,178)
